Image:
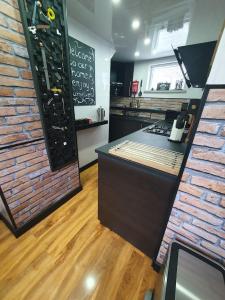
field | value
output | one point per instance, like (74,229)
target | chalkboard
(82,62)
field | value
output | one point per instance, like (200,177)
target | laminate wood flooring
(70,255)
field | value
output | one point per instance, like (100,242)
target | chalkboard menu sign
(82,62)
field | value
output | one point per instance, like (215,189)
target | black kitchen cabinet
(121,73)
(132,203)
(120,126)
(196,59)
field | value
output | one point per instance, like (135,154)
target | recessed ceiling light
(135,24)
(147,41)
(116,2)
(137,53)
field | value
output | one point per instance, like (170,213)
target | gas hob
(160,128)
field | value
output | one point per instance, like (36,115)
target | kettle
(101,114)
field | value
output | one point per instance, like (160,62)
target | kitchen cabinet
(121,73)
(120,126)
(131,200)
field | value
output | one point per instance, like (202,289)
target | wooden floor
(69,255)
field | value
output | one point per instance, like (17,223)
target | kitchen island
(135,199)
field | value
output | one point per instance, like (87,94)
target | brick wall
(19,116)
(151,103)
(198,214)
(25,177)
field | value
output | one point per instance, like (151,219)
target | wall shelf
(166,92)
(91,125)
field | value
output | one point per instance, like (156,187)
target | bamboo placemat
(161,159)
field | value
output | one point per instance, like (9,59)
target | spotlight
(135,24)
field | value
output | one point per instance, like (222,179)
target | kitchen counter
(135,118)
(135,200)
(143,137)
(139,109)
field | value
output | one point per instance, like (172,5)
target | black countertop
(134,109)
(145,138)
(134,118)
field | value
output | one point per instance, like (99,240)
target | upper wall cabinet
(121,78)
(45,27)
(196,59)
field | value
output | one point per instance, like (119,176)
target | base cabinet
(120,127)
(133,203)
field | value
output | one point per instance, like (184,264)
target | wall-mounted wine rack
(46,32)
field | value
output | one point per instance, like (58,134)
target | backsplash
(151,103)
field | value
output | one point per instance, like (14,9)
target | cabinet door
(145,124)
(130,126)
(119,127)
(115,128)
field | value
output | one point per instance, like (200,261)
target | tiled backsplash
(151,103)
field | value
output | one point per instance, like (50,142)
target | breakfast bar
(135,198)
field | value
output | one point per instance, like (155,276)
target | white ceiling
(113,22)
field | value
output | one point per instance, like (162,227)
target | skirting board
(19,231)
(88,165)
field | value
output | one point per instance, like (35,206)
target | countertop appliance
(163,127)
(190,275)
(160,127)
(173,126)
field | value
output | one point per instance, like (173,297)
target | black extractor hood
(194,61)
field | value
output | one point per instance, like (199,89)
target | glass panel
(169,73)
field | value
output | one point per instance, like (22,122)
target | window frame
(150,75)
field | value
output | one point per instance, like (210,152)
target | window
(169,73)
(165,40)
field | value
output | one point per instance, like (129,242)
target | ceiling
(113,22)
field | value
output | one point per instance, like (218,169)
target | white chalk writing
(82,64)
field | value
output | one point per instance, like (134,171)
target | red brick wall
(25,177)
(198,215)
(19,116)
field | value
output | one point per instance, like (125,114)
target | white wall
(90,139)
(207,21)
(92,14)
(217,74)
